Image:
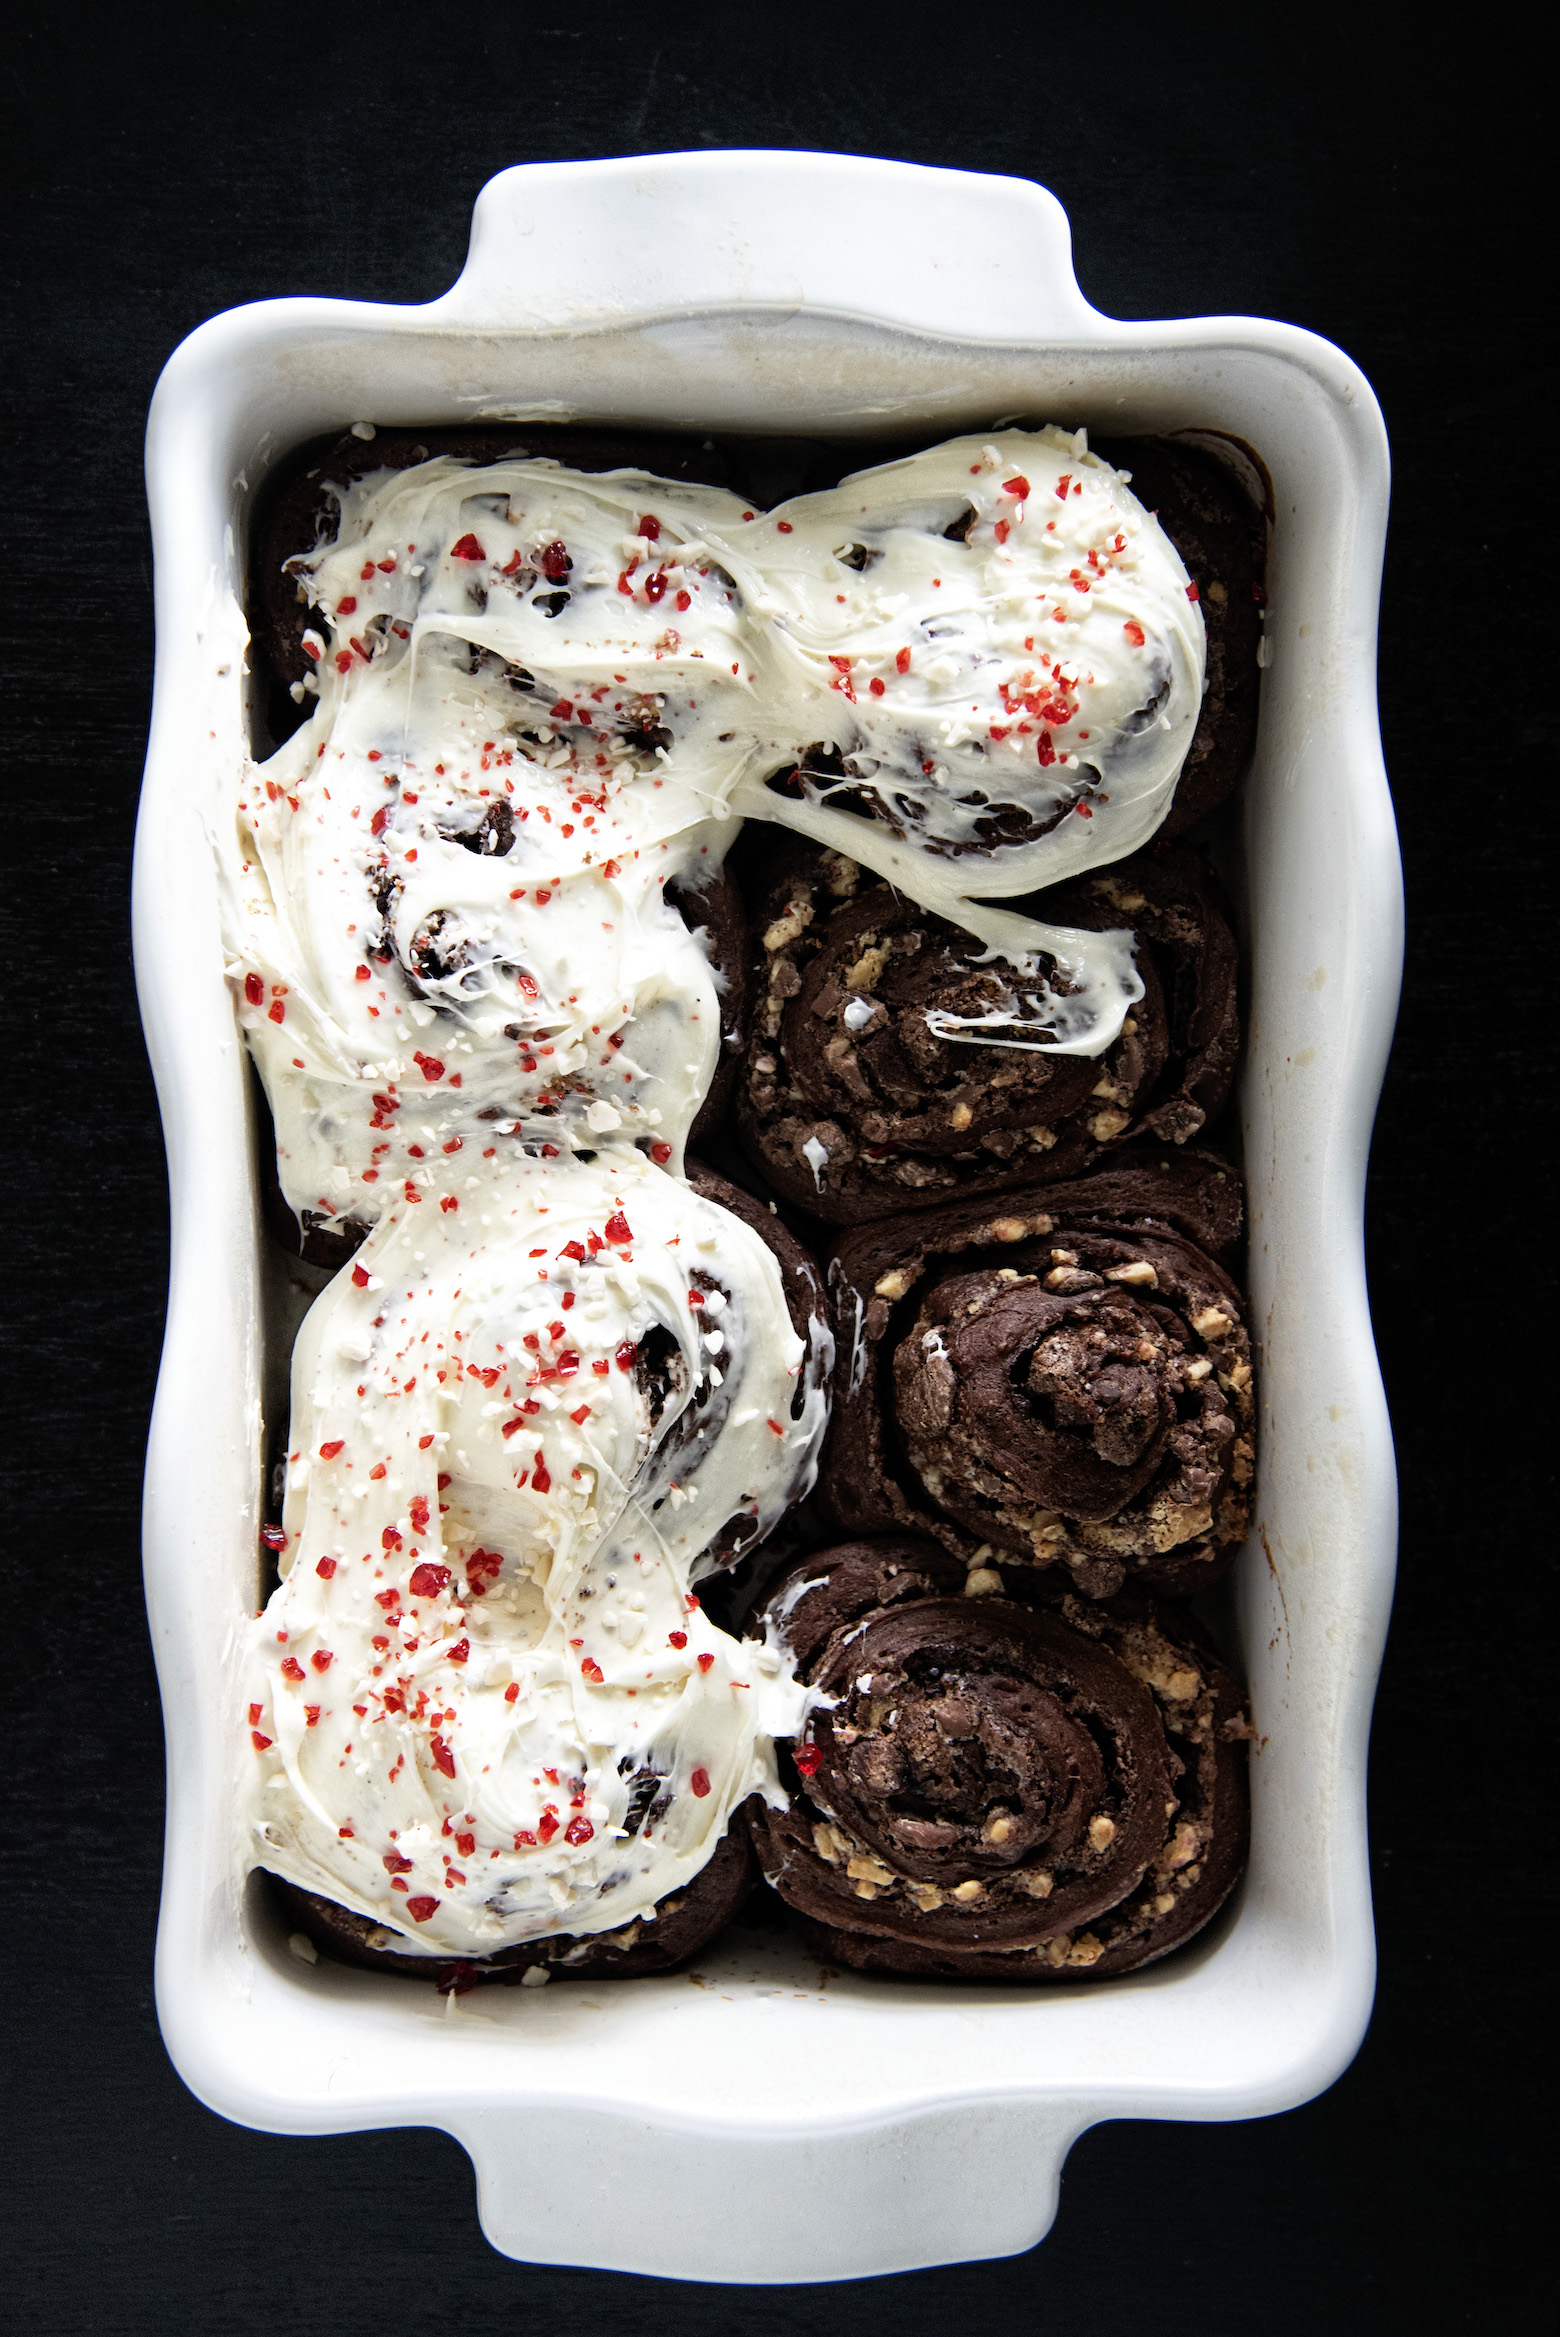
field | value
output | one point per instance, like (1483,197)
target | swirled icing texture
(543,695)
(486,1704)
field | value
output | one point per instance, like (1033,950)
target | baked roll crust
(993,1789)
(1060,1377)
(892,1063)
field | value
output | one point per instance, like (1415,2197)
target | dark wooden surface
(1339,168)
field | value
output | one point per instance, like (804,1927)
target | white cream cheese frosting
(550,1394)
(485,1703)
(542,696)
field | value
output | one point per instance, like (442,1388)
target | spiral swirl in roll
(891,1062)
(993,1790)
(1063,1377)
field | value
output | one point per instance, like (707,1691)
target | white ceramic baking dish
(754,2122)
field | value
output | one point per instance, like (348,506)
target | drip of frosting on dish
(543,695)
(485,1702)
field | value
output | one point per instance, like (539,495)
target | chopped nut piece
(1102,1833)
(1212,1323)
(982,1582)
(1139,1271)
(960,1117)
(828,1844)
(1071,1278)
(968,1891)
(891,1285)
(1196,1370)
(866,1890)
(1013,1229)
(998,1827)
(863,1868)
(926,1896)
(1107,1125)
(868,968)
(1085,1951)
(1038,1883)
(786,928)
(1185,1844)
(1064,1257)
(1164,1902)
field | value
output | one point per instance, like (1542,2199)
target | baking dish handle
(565,246)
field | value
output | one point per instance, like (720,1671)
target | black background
(1320,165)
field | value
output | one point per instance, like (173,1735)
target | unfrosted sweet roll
(892,1062)
(991,1790)
(1056,1375)
(485,1702)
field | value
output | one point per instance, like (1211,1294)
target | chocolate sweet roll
(659,1940)
(486,1706)
(990,1789)
(1219,527)
(299,507)
(1059,1377)
(892,1062)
